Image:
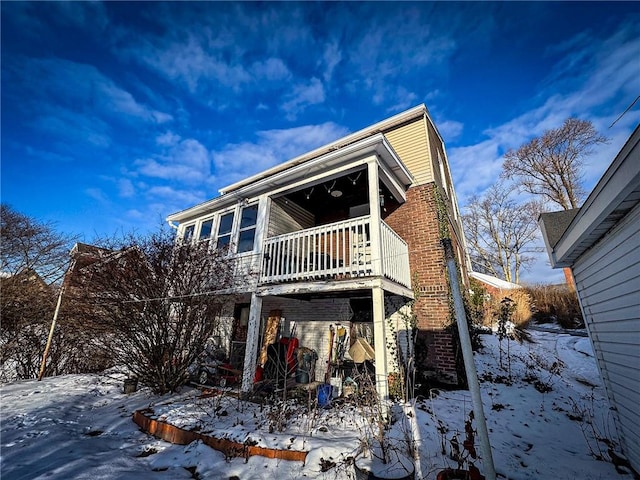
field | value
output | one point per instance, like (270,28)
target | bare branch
(551,165)
(501,233)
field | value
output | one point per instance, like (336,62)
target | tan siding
(411,144)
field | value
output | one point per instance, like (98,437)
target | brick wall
(416,221)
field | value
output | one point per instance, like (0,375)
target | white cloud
(302,96)
(271,69)
(237,161)
(386,52)
(175,195)
(126,188)
(403,98)
(79,89)
(331,57)
(168,139)
(188,162)
(607,79)
(71,128)
(450,129)
(97,194)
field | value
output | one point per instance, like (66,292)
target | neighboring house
(496,287)
(600,242)
(343,235)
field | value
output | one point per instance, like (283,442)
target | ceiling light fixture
(332,192)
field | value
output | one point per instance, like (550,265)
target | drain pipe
(172,224)
(469,365)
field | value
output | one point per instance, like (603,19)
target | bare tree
(31,244)
(551,165)
(155,304)
(501,233)
(34,256)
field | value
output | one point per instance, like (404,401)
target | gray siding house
(600,242)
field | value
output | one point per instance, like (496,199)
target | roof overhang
(379,127)
(296,170)
(617,192)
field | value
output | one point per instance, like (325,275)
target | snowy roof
(494,281)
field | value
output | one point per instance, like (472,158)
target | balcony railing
(336,251)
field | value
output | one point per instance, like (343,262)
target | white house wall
(608,281)
(313,319)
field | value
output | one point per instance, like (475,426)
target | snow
(80,426)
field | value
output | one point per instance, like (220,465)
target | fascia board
(620,179)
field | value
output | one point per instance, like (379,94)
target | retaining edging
(180,436)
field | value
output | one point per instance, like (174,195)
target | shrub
(555,303)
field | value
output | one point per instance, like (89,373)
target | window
(224,230)
(248,219)
(188,233)
(205,229)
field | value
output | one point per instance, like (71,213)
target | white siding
(312,322)
(608,280)
(288,217)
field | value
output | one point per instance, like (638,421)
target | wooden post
(251,348)
(50,338)
(380,343)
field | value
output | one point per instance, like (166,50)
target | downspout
(172,224)
(469,365)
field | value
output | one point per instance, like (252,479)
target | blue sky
(117,114)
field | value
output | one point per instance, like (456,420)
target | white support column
(374,212)
(251,348)
(262,221)
(380,343)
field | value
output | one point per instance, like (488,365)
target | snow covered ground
(546,413)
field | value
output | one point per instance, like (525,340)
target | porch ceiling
(321,199)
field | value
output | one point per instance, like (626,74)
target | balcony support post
(380,344)
(251,348)
(374,212)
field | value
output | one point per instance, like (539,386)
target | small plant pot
(302,376)
(459,474)
(130,385)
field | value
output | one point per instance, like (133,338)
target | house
(343,239)
(496,287)
(600,242)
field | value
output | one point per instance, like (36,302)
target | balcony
(336,251)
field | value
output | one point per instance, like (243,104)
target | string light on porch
(308,194)
(355,180)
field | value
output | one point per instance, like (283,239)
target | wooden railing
(335,251)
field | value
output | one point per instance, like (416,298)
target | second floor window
(246,237)
(205,229)
(224,230)
(188,233)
